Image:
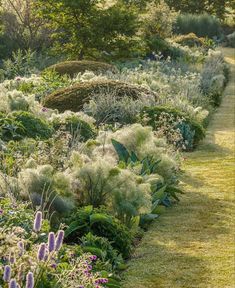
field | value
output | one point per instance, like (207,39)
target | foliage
(115,24)
(72,68)
(214,76)
(203,25)
(74,97)
(214,7)
(192,40)
(100,223)
(230,39)
(169,122)
(75,123)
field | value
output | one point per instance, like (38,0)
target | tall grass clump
(203,25)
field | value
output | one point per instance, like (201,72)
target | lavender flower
(29,280)
(37,221)
(59,240)
(12,284)
(7,273)
(51,242)
(42,252)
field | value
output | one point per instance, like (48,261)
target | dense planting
(90,152)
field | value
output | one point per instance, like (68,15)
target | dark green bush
(72,68)
(74,97)
(192,132)
(99,223)
(10,129)
(203,25)
(74,124)
(159,45)
(33,127)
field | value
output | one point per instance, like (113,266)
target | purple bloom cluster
(37,222)
(101,281)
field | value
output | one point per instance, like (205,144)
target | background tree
(88,28)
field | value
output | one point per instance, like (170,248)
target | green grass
(192,244)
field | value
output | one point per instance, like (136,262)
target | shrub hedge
(74,97)
(72,68)
(188,128)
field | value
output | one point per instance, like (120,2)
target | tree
(22,26)
(88,28)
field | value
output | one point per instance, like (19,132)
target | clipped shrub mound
(74,97)
(167,119)
(72,68)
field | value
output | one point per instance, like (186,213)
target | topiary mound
(191,131)
(74,97)
(72,68)
(192,40)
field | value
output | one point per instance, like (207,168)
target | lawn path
(192,244)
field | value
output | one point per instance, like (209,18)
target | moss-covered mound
(74,97)
(72,68)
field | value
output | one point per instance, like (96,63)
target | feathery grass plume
(41,252)
(7,273)
(29,280)
(37,222)
(59,240)
(51,242)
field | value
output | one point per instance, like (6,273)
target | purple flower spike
(59,240)
(7,273)
(12,284)
(51,242)
(12,258)
(37,222)
(42,252)
(29,280)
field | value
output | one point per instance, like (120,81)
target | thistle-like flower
(59,240)
(12,284)
(7,273)
(37,222)
(29,280)
(51,242)
(42,252)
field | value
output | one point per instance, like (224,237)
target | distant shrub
(231,40)
(74,97)
(203,25)
(176,126)
(192,40)
(214,77)
(72,68)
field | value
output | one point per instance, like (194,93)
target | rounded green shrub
(74,97)
(72,68)
(33,126)
(191,131)
(192,40)
(74,124)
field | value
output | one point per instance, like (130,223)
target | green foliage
(102,27)
(192,40)
(230,40)
(34,127)
(192,132)
(72,68)
(203,25)
(218,8)
(73,98)
(100,223)
(101,247)
(10,129)
(75,125)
